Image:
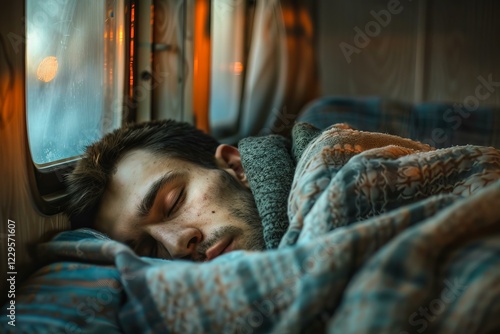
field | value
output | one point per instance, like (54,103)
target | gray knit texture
(270,167)
(302,135)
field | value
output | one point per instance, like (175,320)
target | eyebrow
(147,202)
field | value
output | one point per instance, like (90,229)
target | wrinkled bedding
(384,235)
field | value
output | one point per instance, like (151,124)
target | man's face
(168,208)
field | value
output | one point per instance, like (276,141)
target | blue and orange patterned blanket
(384,235)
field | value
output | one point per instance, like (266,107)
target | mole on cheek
(213,211)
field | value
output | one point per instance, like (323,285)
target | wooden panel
(172,81)
(463,44)
(382,62)
(15,199)
(201,65)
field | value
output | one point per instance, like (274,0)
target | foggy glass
(74,75)
(228,30)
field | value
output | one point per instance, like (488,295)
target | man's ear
(228,157)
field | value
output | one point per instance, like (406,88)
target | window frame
(47,181)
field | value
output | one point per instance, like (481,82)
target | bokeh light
(47,70)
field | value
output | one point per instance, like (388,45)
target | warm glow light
(132,48)
(47,69)
(237,67)
(120,35)
(202,63)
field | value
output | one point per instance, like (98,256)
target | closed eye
(149,199)
(176,204)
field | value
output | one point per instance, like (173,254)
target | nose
(180,243)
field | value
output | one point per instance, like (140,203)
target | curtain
(281,70)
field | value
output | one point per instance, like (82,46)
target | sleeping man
(363,233)
(168,190)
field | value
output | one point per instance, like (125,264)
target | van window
(74,75)
(228,60)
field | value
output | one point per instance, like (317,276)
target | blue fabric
(443,125)
(436,124)
(383,238)
(67,295)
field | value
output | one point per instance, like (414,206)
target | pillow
(67,296)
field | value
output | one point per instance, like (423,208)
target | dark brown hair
(88,181)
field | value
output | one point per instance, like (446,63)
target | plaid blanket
(437,124)
(382,239)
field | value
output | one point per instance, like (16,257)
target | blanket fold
(367,233)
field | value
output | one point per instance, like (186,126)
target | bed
(380,234)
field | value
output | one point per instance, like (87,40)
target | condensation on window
(74,75)
(228,31)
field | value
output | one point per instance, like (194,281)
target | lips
(222,247)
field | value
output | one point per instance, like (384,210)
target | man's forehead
(137,165)
(142,159)
(122,194)
(136,159)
